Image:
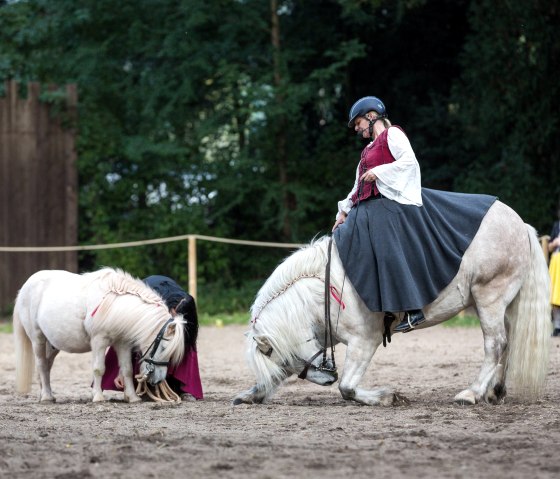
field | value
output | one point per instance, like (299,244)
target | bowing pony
(503,274)
(61,311)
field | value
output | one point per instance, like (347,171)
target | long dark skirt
(400,257)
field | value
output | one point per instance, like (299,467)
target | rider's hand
(369,176)
(119,381)
(341,219)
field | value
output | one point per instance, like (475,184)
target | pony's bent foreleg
(358,357)
(125,367)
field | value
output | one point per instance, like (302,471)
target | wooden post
(38,184)
(192,266)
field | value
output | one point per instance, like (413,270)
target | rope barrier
(130,244)
(170,239)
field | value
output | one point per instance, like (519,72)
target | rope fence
(191,257)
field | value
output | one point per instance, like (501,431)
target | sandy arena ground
(305,431)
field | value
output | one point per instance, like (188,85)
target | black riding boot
(411,320)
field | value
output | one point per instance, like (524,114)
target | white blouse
(399,181)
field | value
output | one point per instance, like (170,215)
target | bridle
(150,363)
(324,366)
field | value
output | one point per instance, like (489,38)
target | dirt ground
(304,431)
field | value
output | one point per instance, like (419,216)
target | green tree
(227,117)
(506,107)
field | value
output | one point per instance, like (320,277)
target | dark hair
(187,307)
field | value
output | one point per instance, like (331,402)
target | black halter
(154,346)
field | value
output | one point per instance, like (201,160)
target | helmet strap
(372,122)
(370,129)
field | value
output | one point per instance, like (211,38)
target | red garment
(375,154)
(186,372)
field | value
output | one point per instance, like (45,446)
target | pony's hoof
(48,399)
(465,398)
(98,398)
(255,395)
(496,395)
(399,400)
(132,399)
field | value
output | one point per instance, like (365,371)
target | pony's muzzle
(334,375)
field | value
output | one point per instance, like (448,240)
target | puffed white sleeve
(400,180)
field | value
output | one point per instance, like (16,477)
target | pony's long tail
(530,328)
(25,363)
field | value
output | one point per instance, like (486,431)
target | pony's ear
(263,344)
(171,329)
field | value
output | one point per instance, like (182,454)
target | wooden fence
(38,185)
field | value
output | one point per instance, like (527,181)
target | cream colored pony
(61,311)
(503,274)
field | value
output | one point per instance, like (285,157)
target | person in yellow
(554,269)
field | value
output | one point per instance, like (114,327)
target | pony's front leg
(358,357)
(125,367)
(98,348)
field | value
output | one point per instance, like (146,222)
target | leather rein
(324,366)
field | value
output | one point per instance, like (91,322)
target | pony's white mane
(134,311)
(285,308)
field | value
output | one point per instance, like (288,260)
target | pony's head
(166,348)
(286,325)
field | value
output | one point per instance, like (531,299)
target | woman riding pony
(401,244)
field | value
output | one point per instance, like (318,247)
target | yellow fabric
(554,270)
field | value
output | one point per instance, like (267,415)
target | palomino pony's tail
(25,360)
(530,328)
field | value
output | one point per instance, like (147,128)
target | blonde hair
(386,121)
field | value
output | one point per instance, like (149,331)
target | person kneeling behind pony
(184,378)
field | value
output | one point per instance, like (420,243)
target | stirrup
(407,325)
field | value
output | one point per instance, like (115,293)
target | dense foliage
(227,117)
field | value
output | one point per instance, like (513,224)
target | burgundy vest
(373,155)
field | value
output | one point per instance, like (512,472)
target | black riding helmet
(364,105)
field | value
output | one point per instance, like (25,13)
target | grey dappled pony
(503,275)
(58,310)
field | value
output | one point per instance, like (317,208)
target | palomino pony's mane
(135,311)
(307,262)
